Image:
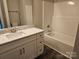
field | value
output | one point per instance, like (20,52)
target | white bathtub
(59,45)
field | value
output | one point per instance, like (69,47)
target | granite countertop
(9,37)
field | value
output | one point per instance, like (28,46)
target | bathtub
(61,46)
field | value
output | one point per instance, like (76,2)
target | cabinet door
(13,54)
(30,50)
(40,46)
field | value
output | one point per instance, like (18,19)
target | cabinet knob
(40,35)
(40,42)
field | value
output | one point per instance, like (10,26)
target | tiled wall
(65,20)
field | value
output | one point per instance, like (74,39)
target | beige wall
(31,12)
(28,8)
(22,12)
(13,5)
(48,9)
(26,12)
(37,13)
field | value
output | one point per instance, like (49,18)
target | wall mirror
(15,13)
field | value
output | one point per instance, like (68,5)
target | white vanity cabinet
(29,50)
(25,48)
(26,51)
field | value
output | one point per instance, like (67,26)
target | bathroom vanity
(23,44)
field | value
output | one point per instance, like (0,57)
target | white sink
(15,35)
(4,38)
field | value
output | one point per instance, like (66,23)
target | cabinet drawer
(16,43)
(40,40)
(39,35)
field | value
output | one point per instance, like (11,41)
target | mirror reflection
(15,13)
